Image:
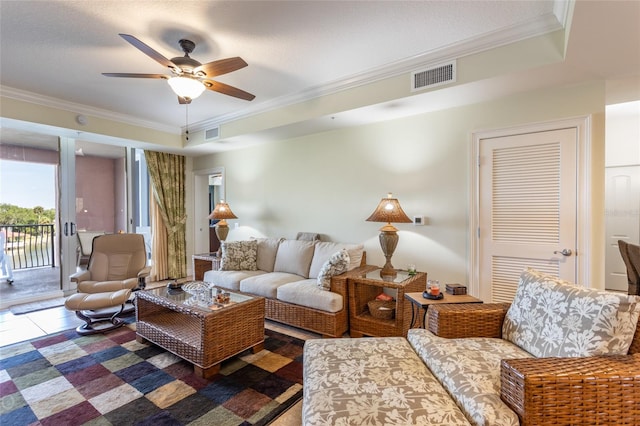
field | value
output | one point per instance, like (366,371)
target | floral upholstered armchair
(570,355)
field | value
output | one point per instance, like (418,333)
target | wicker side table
(204,262)
(419,303)
(201,335)
(364,288)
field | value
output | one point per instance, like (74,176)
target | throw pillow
(294,257)
(550,317)
(336,265)
(323,250)
(267,250)
(239,255)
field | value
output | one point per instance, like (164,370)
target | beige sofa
(559,354)
(285,273)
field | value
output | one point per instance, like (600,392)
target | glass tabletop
(200,295)
(375,275)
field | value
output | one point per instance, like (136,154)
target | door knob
(564,252)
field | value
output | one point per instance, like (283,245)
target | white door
(527,209)
(67,238)
(622,221)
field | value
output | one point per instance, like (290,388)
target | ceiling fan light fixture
(186,87)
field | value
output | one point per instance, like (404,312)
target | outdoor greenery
(14,215)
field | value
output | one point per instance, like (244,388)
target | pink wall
(95,194)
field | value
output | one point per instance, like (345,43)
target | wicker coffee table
(202,333)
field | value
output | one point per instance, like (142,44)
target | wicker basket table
(364,288)
(418,303)
(201,334)
(204,262)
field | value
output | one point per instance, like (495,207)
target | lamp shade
(222,211)
(389,211)
(186,87)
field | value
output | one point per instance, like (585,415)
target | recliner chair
(117,267)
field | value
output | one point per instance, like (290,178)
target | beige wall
(331,182)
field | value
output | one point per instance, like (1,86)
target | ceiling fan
(189,78)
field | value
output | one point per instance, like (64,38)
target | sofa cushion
(266,285)
(368,381)
(267,250)
(239,255)
(229,279)
(323,251)
(550,317)
(294,257)
(335,265)
(306,293)
(470,370)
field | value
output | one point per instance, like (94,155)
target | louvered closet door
(527,209)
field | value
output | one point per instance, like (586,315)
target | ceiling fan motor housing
(186,63)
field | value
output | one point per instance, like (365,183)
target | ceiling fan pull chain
(187,122)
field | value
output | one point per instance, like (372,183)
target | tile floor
(17,328)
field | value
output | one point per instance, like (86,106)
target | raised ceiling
(55,51)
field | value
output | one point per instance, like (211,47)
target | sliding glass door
(57,193)
(94,199)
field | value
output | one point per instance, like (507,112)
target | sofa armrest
(455,321)
(589,390)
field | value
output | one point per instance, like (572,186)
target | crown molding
(38,99)
(539,26)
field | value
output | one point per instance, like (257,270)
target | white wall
(623,134)
(331,182)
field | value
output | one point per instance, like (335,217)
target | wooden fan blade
(129,75)
(225,89)
(222,66)
(183,101)
(150,52)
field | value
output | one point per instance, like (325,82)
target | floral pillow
(239,256)
(336,265)
(553,318)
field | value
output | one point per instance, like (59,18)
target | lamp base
(388,271)
(222,230)
(388,241)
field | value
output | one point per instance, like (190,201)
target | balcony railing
(30,246)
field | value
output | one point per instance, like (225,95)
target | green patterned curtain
(167,176)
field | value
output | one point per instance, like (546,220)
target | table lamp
(222,212)
(388,211)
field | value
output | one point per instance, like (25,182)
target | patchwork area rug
(67,379)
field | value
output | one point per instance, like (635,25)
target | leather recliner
(117,267)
